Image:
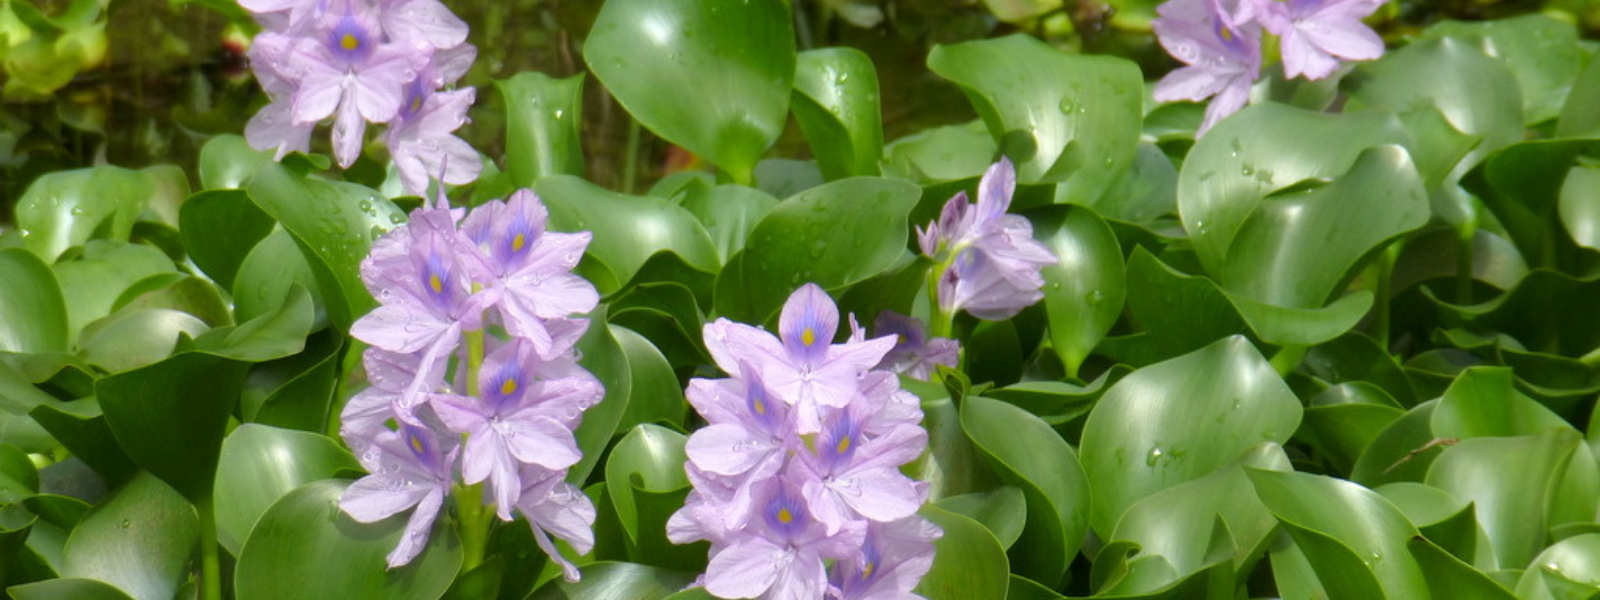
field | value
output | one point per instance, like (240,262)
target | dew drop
(126,523)
(1095,297)
(1154,457)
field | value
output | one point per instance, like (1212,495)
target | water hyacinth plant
(837,300)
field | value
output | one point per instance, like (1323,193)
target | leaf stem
(210,565)
(1287,358)
(475,519)
(1385,267)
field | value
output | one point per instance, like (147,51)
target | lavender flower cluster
(366,61)
(1220,41)
(990,260)
(799,464)
(439,280)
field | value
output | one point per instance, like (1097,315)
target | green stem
(1465,233)
(210,565)
(1287,358)
(940,323)
(1385,266)
(630,161)
(475,517)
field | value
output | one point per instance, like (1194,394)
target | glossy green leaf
(967,562)
(219,229)
(616,580)
(728,212)
(67,588)
(334,223)
(952,466)
(1065,118)
(66,208)
(1578,117)
(270,336)
(1026,453)
(1177,523)
(836,104)
(1182,313)
(647,483)
(82,429)
(135,338)
(1542,313)
(1002,511)
(140,540)
(1539,49)
(92,281)
(170,416)
(305,547)
(1402,451)
(1145,192)
(544,126)
(1579,206)
(1296,249)
(269,271)
(304,396)
(1575,559)
(176,291)
(1354,538)
(1358,358)
(1229,172)
(711,77)
(1521,185)
(261,464)
(603,357)
(18,477)
(628,230)
(941,153)
(1482,402)
(833,235)
(33,313)
(666,314)
(1180,420)
(1511,481)
(1339,433)
(1447,522)
(656,396)
(1084,291)
(227,161)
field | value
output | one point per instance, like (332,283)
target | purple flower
(893,559)
(427,21)
(852,472)
(804,369)
(914,354)
(1221,46)
(555,507)
(781,553)
(410,468)
(1315,34)
(525,417)
(531,270)
(991,261)
(422,141)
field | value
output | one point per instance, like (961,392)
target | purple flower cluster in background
(366,61)
(799,465)
(990,260)
(438,279)
(1220,41)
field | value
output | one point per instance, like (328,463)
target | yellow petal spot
(899,339)
(1227,34)
(844,445)
(866,570)
(808,336)
(349,42)
(435,284)
(416,103)
(509,387)
(784,516)
(761,407)
(518,242)
(416,444)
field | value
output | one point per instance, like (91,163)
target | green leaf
(628,230)
(1180,420)
(544,126)
(1482,402)
(170,416)
(219,229)
(939,154)
(656,395)
(304,546)
(66,208)
(302,389)
(1539,49)
(1521,184)
(261,464)
(967,562)
(334,223)
(1078,124)
(135,338)
(1001,510)
(1511,481)
(18,477)
(833,235)
(1026,453)
(227,161)
(836,104)
(67,588)
(176,291)
(267,337)
(1084,291)
(1230,172)
(1572,559)
(269,272)
(1579,206)
(92,281)
(1182,313)
(33,313)
(1145,192)
(711,77)
(1542,313)
(952,466)
(1296,250)
(603,357)
(728,212)
(646,483)
(1578,117)
(1354,538)
(1339,433)
(1402,451)
(88,437)
(140,540)
(616,580)
(1063,118)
